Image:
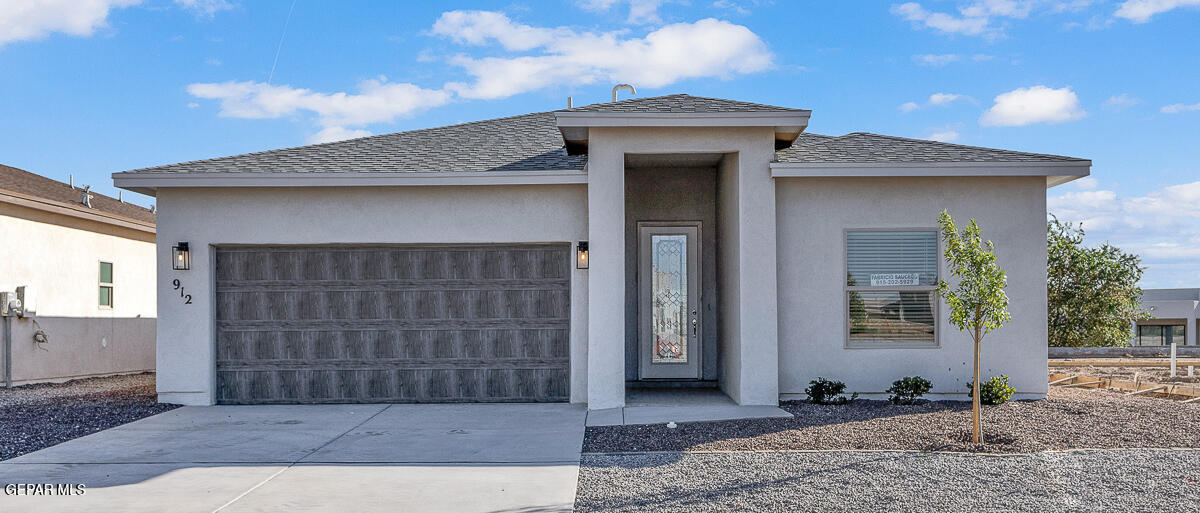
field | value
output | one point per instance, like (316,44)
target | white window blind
(891,258)
(890,296)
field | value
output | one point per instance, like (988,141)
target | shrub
(993,391)
(908,389)
(824,391)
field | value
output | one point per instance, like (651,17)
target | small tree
(979,304)
(1092,293)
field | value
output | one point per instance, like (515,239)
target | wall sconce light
(581,255)
(181,258)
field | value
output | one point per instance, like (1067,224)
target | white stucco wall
(813,212)
(315,215)
(57,258)
(747,362)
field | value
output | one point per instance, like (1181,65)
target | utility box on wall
(28,305)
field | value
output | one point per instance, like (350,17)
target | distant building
(86,264)
(1174,313)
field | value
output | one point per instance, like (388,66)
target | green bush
(993,391)
(824,391)
(908,389)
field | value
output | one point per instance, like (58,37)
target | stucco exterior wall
(57,258)
(672,194)
(814,212)
(316,215)
(747,355)
(1184,310)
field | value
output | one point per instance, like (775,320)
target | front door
(669,300)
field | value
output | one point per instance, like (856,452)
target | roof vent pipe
(87,196)
(71,181)
(619,87)
(570,103)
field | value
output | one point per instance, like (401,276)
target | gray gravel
(1109,480)
(34,417)
(1068,419)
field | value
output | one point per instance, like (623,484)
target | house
(81,265)
(1173,318)
(566,255)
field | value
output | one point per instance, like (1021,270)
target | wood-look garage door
(344,324)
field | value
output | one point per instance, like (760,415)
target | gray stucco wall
(672,194)
(352,215)
(813,214)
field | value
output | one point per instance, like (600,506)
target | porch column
(606,275)
(755,354)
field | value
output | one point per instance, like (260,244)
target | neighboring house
(1174,313)
(86,262)
(562,255)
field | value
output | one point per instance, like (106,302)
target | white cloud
(947,136)
(1037,104)
(479,28)
(1086,183)
(1163,226)
(971,25)
(640,11)
(982,57)
(377,101)
(935,100)
(732,6)
(1140,11)
(985,18)
(26,20)
(930,59)
(204,7)
(1121,102)
(1176,108)
(705,48)
(337,133)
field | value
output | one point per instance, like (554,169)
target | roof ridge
(943,143)
(50,181)
(330,143)
(626,100)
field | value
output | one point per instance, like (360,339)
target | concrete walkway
(502,457)
(659,406)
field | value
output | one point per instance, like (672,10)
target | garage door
(346,324)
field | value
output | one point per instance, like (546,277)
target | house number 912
(187,298)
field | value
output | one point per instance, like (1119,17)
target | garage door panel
(393,324)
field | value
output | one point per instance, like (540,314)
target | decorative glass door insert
(669,300)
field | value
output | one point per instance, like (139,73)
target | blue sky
(96,86)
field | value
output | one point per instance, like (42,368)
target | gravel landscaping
(1068,419)
(34,417)
(1123,480)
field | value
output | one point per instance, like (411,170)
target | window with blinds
(891,277)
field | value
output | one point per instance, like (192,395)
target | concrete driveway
(504,457)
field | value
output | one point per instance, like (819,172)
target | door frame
(693,369)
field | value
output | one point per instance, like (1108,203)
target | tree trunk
(977,431)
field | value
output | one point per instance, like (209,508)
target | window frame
(847,343)
(103,284)
(1162,324)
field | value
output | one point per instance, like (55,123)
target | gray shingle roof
(529,142)
(23,182)
(862,147)
(680,103)
(532,142)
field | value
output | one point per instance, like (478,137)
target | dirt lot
(1155,374)
(1068,419)
(34,417)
